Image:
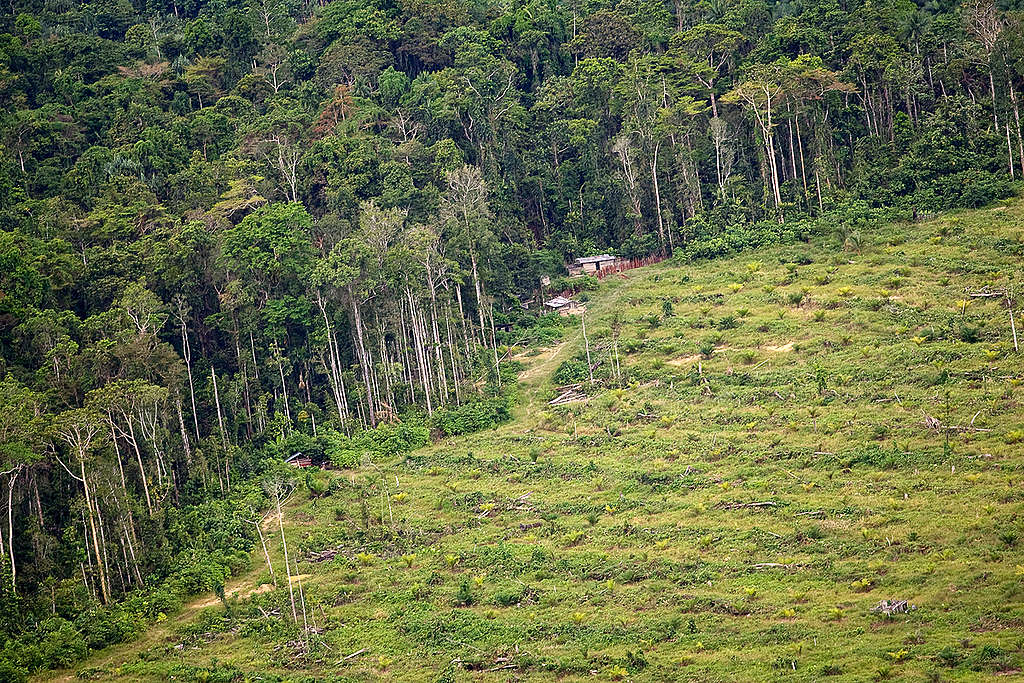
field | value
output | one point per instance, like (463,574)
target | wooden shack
(561,305)
(299,460)
(588,265)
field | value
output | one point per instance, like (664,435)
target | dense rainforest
(236,230)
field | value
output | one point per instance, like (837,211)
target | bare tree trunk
(452,345)
(364,357)
(245,385)
(438,352)
(494,348)
(657,198)
(284,385)
(1016,116)
(103,546)
(419,351)
(266,554)
(284,544)
(223,434)
(1009,150)
(407,374)
(187,353)
(992,90)
(332,369)
(104,590)
(142,467)
(255,365)
(586,345)
(10,525)
(184,434)
(803,167)
(341,383)
(479,295)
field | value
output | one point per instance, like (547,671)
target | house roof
(294,456)
(557,302)
(595,259)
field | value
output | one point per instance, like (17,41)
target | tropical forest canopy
(232,231)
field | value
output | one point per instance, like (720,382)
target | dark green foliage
(473,416)
(571,371)
(233,232)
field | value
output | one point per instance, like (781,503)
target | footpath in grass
(797,463)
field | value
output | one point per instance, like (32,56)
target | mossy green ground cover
(798,434)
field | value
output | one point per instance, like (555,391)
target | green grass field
(798,434)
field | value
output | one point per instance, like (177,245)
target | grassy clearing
(799,433)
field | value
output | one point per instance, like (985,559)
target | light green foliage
(749,536)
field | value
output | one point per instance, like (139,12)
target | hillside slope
(775,444)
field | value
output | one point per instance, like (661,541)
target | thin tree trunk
(223,434)
(284,385)
(438,352)
(95,537)
(10,525)
(1016,116)
(187,353)
(284,544)
(586,345)
(803,167)
(332,369)
(266,554)
(992,90)
(462,317)
(255,364)
(364,357)
(657,199)
(142,467)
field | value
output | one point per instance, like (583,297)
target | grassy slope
(591,533)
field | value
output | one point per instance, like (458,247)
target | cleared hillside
(774,444)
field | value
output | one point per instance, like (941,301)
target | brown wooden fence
(627,264)
(620,266)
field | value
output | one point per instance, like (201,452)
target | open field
(774,444)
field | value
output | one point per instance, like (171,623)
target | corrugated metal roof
(595,259)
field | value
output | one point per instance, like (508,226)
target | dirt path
(534,382)
(110,658)
(539,367)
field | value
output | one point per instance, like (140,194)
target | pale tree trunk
(657,198)
(284,385)
(341,377)
(223,433)
(803,167)
(1016,116)
(586,345)
(104,590)
(10,524)
(494,348)
(142,467)
(187,354)
(255,365)
(419,350)
(333,372)
(452,345)
(184,434)
(992,91)
(462,317)
(364,357)
(117,452)
(410,382)
(284,544)
(245,384)
(479,295)
(266,554)
(438,352)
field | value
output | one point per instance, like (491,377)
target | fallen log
(737,506)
